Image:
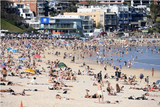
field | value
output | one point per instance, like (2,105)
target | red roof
(112,3)
(83,2)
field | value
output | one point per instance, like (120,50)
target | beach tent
(31,71)
(38,56)
(61,65)
(21,58)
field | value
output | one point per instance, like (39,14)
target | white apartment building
(24,11)
(34,22)
(87,24)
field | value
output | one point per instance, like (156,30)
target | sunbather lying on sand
(64,98)
(129,83)
(58,88)
(138,98)
(32,90)
(14,84)
(151,95)
(4,80)
(91,96)
(13,93)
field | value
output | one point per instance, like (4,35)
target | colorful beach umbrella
(9,48)
(38,56)
(28,46)
(102,33)
(21,58)
(31,71)
(154,41)
(2,66)
(12,50)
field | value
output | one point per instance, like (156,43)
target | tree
(155,11)
(99,25)
(150,31)
(79,31)
(127,2)
(93,2)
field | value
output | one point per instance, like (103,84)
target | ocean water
(145,60)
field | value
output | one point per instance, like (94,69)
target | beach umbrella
(21,58)
(9,48)
(28,46)
(133,40)
(38,56)
(31,71)
(2,66)
(2,63)
(68,44)
(61,65)
(13,50)
(153,41)
(102,33)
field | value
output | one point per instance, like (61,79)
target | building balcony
(87,24)
(29,17)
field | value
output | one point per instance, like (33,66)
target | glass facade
(62,26)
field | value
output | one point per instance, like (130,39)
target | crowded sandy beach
(76,73)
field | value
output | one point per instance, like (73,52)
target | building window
(17,0)
(94,15)
(101,20)
(101,15)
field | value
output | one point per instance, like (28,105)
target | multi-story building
(99,15)
(133,2)
(87,24)
(24,11)
(62,25)
(30,3)
(34,22)
(36,6)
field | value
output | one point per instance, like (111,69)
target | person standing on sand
(4,73)
(100,93)
(152,71)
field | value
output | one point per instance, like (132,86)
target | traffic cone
(21,104)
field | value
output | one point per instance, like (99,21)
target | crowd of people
(22,58)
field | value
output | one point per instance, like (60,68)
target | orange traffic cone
(21,104)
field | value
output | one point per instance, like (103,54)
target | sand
(47,98)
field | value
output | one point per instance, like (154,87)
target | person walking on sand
(152,72)
(100,93)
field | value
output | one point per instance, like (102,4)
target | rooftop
(83,2)
(111,2)
(67,17)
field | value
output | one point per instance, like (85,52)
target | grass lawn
(8,26)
